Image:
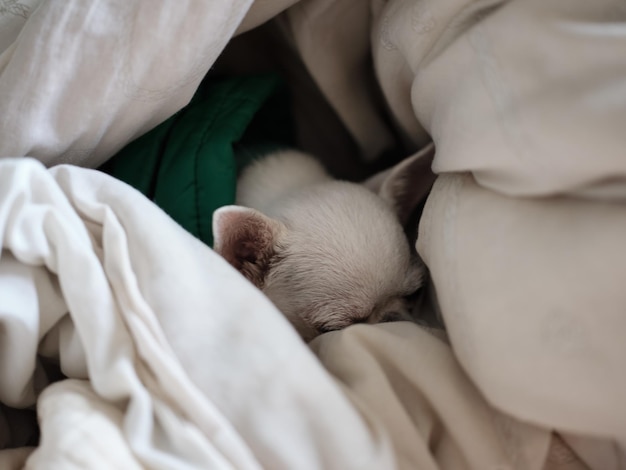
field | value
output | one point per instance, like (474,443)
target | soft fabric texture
(121,295)
(187,364)
(88,77)
(527,95)
(444,425)
(532,293)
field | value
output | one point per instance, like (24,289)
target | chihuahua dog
(327,253)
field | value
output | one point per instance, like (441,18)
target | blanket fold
(109,287)
(142,327)
(116,321)
(89,77)
(535,317)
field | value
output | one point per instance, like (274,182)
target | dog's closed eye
(325,329)
(393,316)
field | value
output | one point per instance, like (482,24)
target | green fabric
(188,165)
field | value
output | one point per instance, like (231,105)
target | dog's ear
(407,183)
(246,239)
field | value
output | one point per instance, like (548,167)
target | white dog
(327,253)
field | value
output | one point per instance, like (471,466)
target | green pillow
(188,165)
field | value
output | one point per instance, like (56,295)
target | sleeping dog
(327,253)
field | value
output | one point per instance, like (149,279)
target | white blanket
(187,363)
(175,361)
(87,77)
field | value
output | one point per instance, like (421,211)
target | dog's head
(335,253)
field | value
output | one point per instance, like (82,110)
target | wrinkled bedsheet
(174,361)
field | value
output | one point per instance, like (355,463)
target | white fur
(343,257)
(267,181)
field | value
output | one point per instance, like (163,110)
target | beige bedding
(522,234)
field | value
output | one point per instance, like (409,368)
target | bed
(126,342)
